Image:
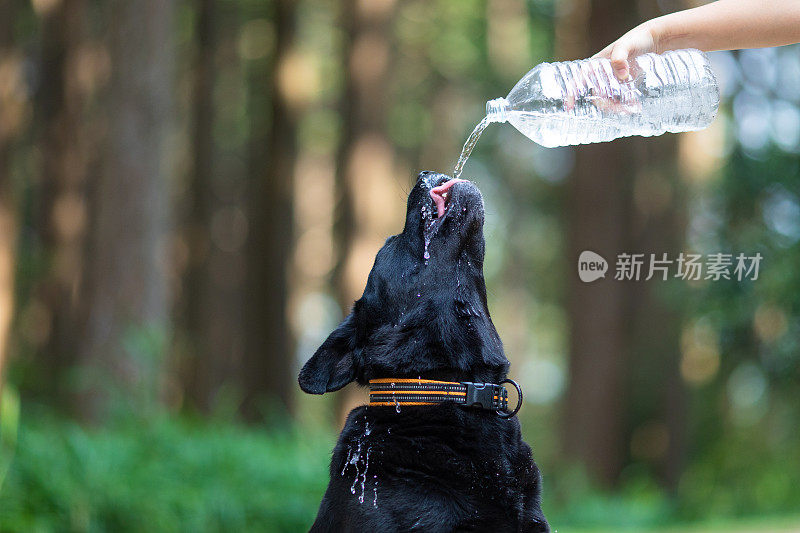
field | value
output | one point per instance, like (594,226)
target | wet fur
(442,468)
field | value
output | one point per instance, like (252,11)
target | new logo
(591,266)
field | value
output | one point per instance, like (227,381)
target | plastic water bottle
(579,102)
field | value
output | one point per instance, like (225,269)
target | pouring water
(579,102)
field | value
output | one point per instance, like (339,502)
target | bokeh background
(191,196)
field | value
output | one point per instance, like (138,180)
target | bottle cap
(496,110)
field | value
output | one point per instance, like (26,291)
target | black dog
(423,314)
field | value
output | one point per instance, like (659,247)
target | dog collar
(398,392)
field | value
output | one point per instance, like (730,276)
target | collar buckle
(486,395)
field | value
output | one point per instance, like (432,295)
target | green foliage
(9,422)
(748,473)
(574,502)
(163,476)
(178,475)
(739,488)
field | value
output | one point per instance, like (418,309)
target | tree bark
(660,408)
(599,208)
(126,299)
(212,296)
(62,212)
(597,204)
(9,62)
(268,379)
(198,288)
(623,335)
(369,207)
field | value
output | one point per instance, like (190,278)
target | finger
(619,62)
(605,52)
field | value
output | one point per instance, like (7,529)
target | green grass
(171,474)
(783,525)
(163,476)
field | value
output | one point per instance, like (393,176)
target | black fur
(440,468)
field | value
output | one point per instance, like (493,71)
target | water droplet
(429,231)
(396,405)
(375,492)
(364,475)
(354,461)
(355,480)
(347,461)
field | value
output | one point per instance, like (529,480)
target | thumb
(619,62)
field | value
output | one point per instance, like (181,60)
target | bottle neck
(496,110)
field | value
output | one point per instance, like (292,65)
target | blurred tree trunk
(598,312)
(366,188)
(597,208)
(126,299)
(61,223)
(209,306)
(269,355)
(198,292)
(10,63)
(614,325)
(658,412)
(660,407)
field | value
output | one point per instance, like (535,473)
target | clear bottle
(579,102)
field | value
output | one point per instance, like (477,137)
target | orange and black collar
(399,392)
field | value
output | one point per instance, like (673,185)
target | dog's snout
(430,179)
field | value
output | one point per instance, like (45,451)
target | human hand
(640,40)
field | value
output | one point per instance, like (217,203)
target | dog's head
(423,311)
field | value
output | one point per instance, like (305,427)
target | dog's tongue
(437,193)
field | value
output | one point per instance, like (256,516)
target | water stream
(472,140)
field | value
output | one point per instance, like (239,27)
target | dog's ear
(332,366)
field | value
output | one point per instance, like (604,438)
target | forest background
(191,196)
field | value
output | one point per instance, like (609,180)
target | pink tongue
(438,192)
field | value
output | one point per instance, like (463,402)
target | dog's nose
(431,179)
(424,178)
